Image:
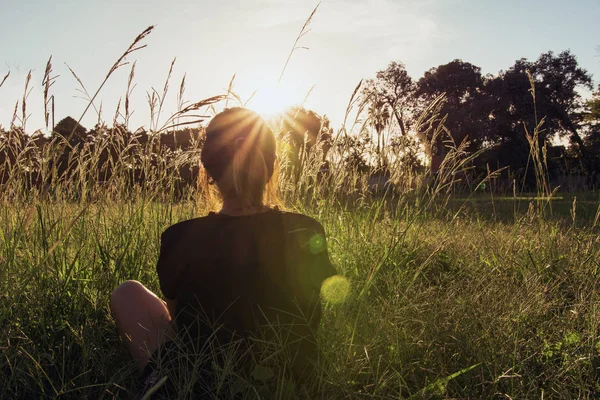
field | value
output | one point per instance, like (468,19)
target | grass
(444,296)
(428,297)
(578,208)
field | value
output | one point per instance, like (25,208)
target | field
(441,293)
(441,304)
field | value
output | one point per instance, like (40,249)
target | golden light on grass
(335,289)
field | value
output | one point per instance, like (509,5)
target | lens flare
(335,289)
(316,244)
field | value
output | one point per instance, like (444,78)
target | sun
(272,101)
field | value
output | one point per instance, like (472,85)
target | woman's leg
(142,319)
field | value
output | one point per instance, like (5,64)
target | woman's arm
(167,271)
(172,307)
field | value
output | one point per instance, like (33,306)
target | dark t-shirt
(240,272)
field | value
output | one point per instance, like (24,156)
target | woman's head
(239,155)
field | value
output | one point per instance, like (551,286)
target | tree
(591,124)
(379,116)
(302,129)
(557,78)
(526,93)
(459,80)
(464,107)
(394,88)
(76,135)
(304,126)
(70,130)
(593,113)
(354,150)
(184,138)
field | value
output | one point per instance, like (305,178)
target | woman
(229,274)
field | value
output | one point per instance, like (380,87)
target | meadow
(442,293)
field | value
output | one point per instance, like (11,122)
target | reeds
(4,79)
(303,31)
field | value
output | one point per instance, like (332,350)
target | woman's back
(238,272)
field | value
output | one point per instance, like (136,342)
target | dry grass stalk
(5,78)
(119,63)
(295,47)
(128,93)
(26,93)
(47,83)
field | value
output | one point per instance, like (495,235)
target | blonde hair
(239,156)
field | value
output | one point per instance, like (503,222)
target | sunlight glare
(270,101)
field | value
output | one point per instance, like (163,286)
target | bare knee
(124,291)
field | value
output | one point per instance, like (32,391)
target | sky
(212,40)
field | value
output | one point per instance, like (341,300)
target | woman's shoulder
(293,221)
(302,221)
(180,228)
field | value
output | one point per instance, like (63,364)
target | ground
(470,297)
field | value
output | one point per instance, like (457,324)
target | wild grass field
(516,304)
(441,294)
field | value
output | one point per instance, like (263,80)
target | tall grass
(441,302)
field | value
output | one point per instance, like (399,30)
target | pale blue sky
(350,40)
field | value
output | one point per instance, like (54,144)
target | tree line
(493,114)
(406,122)
(107,154)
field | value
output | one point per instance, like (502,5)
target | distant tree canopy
(593,112)
(492,112)
(453,102)
(301,130)
(590,120)
(70,130)
(302,125)
(106,147)
(462,84)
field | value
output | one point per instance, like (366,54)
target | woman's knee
(126,290)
